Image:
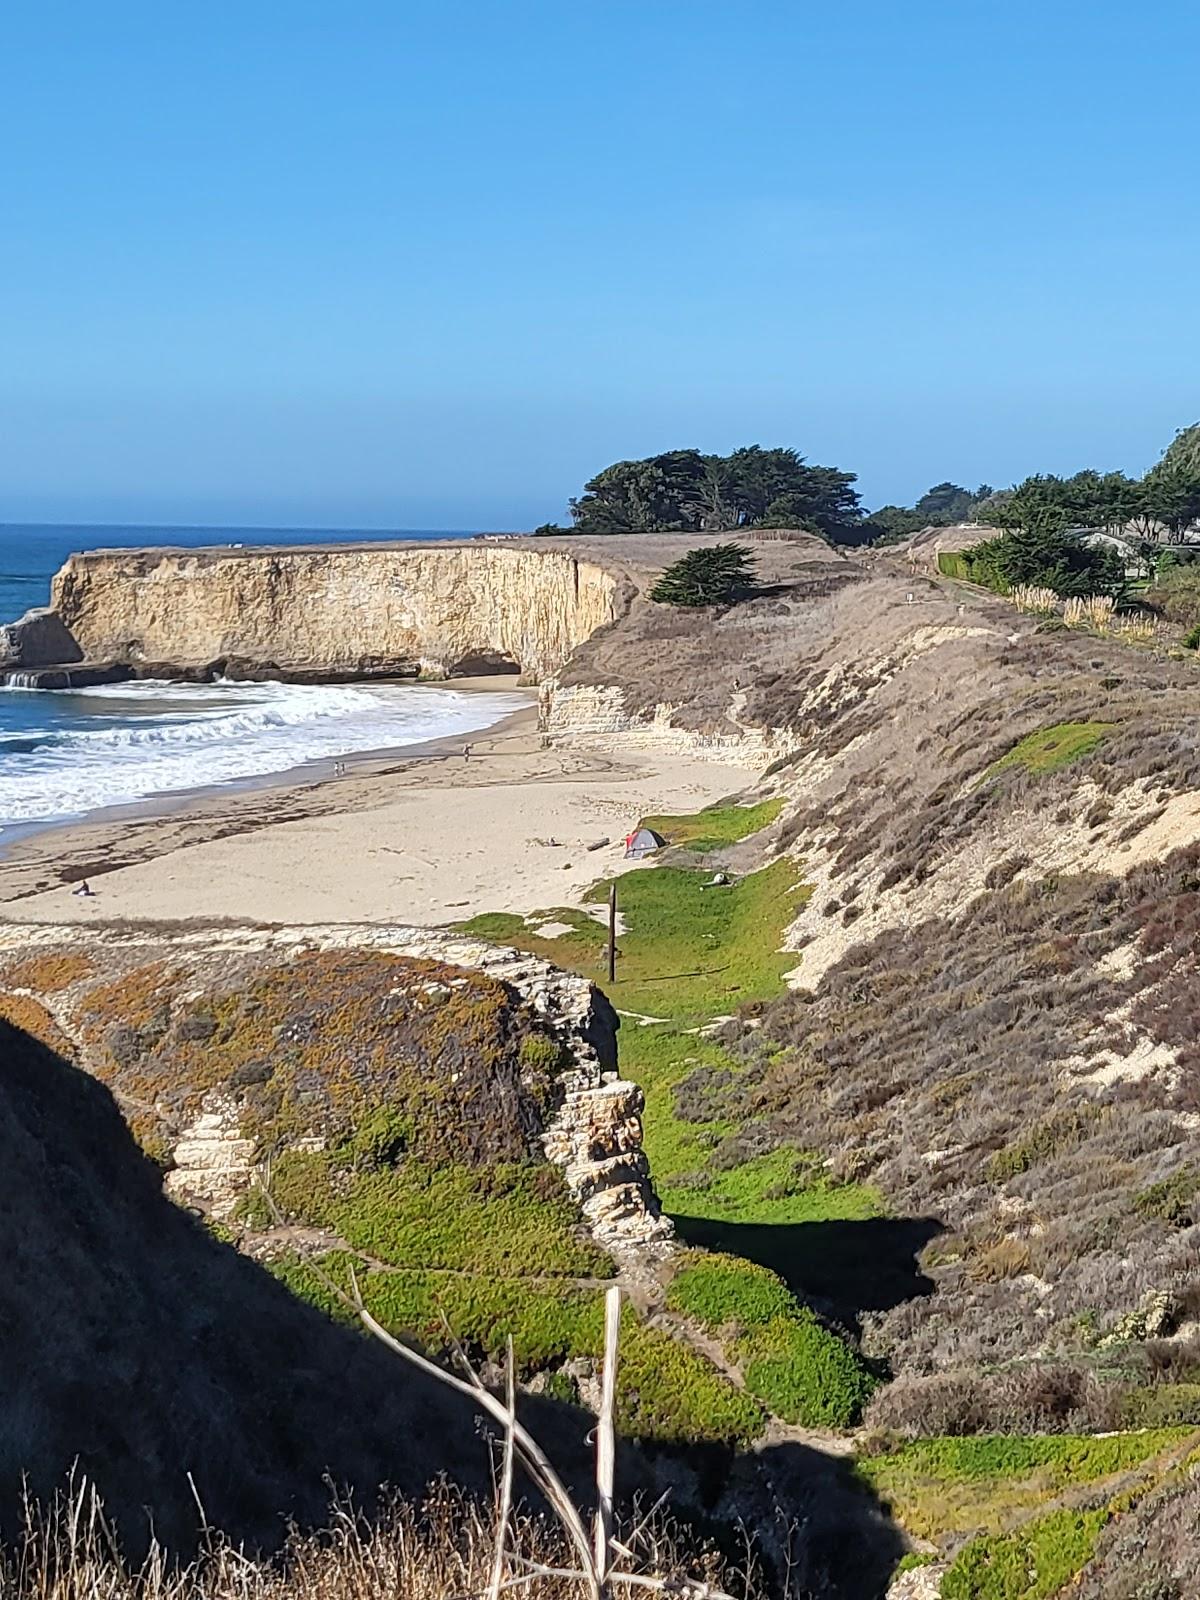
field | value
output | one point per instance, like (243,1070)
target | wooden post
(606,1440)
(612,931)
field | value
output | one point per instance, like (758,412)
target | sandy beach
(423,838)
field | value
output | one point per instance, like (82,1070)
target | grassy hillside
(690,950)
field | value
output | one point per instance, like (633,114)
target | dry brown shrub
(1038,1397)
(48,973)
(1002,1258)
(431,1551)
(25,1013)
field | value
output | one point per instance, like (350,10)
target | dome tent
(643,842)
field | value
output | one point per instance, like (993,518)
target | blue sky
(430,265)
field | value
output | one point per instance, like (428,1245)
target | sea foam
(76,751)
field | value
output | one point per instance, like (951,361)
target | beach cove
(431,838)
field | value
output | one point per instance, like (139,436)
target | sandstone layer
(320,611)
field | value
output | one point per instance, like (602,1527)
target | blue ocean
(66,753)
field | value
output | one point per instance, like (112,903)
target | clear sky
(430,265)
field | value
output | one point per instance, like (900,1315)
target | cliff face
(436,609)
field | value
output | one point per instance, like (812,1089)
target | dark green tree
(1043,551)
(1184,450)
(683,491)
(1169,501)
(938,507)
(716,496)
(713,576)
(658,494)
(890,524)
(945,503)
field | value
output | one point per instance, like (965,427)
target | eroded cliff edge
(182,1028)
(320,610)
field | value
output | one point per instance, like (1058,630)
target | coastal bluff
(400,608)
(570,614)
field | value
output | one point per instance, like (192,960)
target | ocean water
(65,753)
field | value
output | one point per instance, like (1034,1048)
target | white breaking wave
(119,743)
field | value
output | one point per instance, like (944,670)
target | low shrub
(49,972)
(667,1391)
(1038,1397)
(801,1370)
(1163,1405)
(511,1218)
(1031,1563)
(1172,1200)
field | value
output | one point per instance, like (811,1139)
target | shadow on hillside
(820,1531)
(138,1349)
(148,1355)
(853,1266)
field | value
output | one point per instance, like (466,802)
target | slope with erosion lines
(990,1021)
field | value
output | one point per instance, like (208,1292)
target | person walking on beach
(466,752)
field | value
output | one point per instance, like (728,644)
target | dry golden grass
(441,1549)
(1138,629)
(32,1018)
(49,972)
(1029,597)
(1092,611)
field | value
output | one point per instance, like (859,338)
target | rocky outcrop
(41,638)
(320,611)
(212,1164)
(592,1128)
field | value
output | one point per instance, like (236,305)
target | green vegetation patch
(799,1369)
(666,1391)
(1064,1130)
(1173,1200)
(783,1186)
(659,1058)
(951,564)
(953,1485)
(688,952)
(1162,1405)
(716,825)
(1032,1563)
(1052,748)
(513,1218)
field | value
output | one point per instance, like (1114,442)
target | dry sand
(426,839)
